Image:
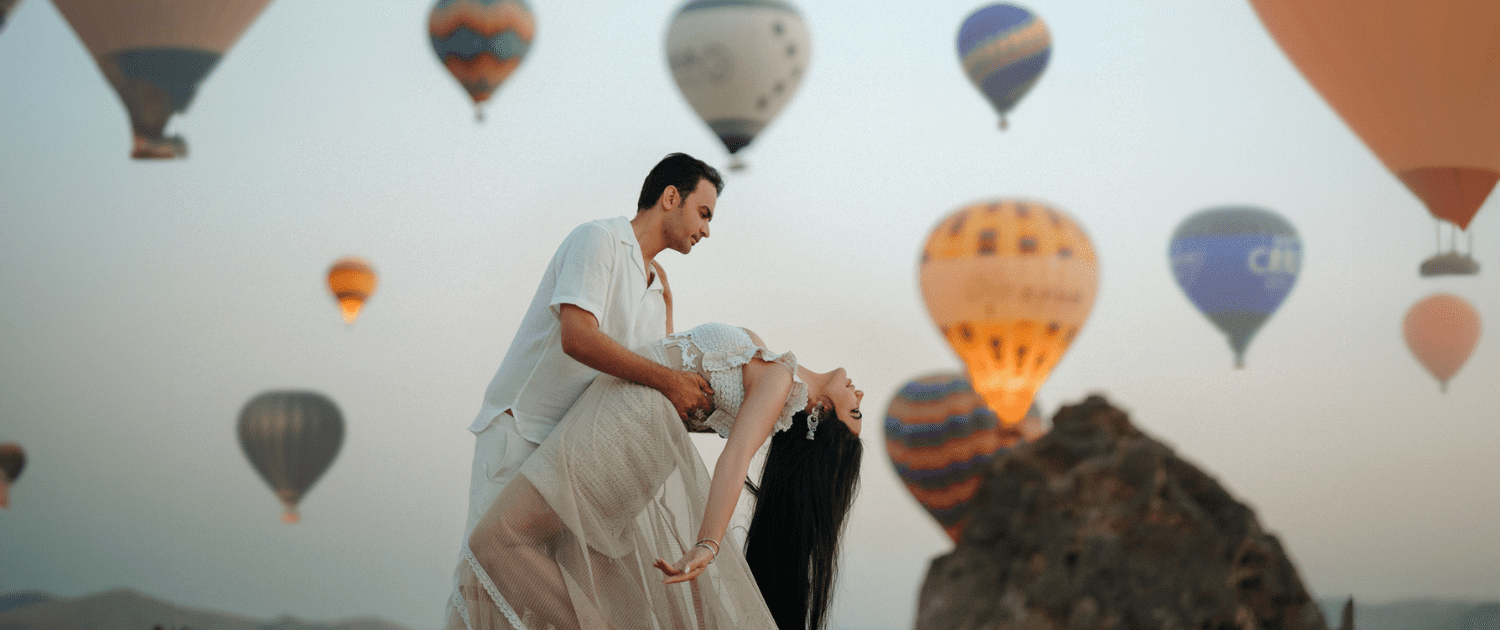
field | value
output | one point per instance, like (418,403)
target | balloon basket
(1449,264)
(290,518)
(736,164)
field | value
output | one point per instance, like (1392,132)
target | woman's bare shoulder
(754,337)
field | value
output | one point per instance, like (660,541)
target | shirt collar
(626,234)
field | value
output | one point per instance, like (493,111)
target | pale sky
(142,304)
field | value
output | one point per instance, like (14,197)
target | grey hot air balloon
(291,438)
(12,460)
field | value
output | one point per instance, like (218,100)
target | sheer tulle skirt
(570,541)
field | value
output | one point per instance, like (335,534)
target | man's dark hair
(680,170)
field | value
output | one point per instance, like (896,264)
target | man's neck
(647,228)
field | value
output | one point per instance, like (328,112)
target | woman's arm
(666,292)
(766,387)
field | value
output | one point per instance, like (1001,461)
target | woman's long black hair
(805,492)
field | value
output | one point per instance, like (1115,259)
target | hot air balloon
(940,436)
(352,280)
(6,7)
(156,53)
(1236,264)
(738,62)
(1418,82)
(481,42)
(1441,330)
(290,437)
(12,460)
(1009,283)
(1004,49)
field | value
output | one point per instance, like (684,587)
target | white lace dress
(570,542)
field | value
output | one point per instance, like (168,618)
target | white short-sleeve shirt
(597,268)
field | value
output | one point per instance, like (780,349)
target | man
(602,295)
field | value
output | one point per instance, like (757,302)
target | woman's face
(840,394)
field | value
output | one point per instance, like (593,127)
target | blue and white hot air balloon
(1236,264)
(1004,49)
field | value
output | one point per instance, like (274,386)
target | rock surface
(1098,526)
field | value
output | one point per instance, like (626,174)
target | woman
(618,488)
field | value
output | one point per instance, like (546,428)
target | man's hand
(689,392)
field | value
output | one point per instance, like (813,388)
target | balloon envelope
(940,436)
(156,53)
(6,8)
(12,461)
(481,42)
(1009,283)
(1004,49)
(737,62)
(1442,330)
(290,437)
(352,280)
(1236,264)
(1419,82)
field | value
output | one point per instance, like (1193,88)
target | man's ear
(670,197)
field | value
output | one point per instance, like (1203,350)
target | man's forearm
(593,348)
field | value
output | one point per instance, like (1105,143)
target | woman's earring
(812,420)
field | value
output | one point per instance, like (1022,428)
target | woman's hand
(689,567)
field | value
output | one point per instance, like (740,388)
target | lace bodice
(719,352)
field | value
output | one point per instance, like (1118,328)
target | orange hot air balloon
(1009,283)
(1442,330)
(352,281)
(1419,82)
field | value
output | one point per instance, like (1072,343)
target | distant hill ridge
(125,609)
(1417,614)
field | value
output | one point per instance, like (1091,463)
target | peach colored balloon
(1441,331)
(1419,82)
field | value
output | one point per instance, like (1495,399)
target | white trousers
(499,451)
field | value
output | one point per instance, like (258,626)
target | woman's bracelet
(713,550)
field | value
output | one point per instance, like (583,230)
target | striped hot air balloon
(1442,330)
(290,437)
(156,53)
(481,42)
(1236,264)
(1009,283)
(738,62)
(351,280)
(12,461)
(940,436)
(1004,49)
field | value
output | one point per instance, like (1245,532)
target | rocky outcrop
(1099,526)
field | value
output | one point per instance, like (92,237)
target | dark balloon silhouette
(12,461)
(291,438)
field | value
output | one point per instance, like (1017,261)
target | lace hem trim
(489,587)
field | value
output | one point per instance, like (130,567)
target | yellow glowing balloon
(352,281)
(1009,283)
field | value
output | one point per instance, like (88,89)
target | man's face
(688,222)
